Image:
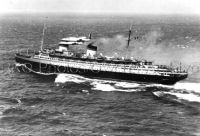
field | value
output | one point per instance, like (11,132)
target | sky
(102,6)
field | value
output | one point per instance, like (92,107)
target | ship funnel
(91,50)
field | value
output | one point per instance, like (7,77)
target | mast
(90,36)
(129,36)
(42,41)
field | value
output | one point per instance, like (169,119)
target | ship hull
(50,69)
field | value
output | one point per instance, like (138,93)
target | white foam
(160,85)
(104,81)
(186,96)
(158,93)
(102,87)
(109,87)
(63,78)
(191,91)
(127,85)
(188,86)
(98,84)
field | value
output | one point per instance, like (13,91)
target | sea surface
(72,105)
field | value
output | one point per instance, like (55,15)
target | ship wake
(187,91)
(98,84)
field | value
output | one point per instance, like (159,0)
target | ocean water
(72,105)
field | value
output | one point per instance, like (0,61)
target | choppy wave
(3,108)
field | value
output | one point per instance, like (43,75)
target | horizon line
(96,13)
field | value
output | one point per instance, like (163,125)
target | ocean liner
(94,65)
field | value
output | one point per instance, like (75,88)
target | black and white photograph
(100,68)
